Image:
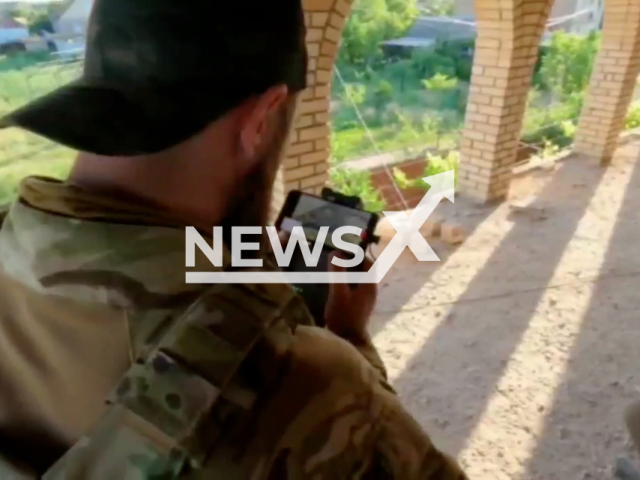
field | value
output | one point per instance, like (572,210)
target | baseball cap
(156,72)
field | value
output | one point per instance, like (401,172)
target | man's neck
(148,181)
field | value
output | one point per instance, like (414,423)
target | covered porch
(519,350)
(509,37)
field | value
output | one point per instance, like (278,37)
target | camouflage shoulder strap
(173,405)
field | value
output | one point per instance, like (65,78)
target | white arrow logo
(408,235)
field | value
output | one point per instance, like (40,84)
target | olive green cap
(156,72)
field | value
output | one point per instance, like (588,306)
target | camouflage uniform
(201,382)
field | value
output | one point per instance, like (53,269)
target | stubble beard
(252,206)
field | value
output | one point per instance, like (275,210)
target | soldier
(112,366)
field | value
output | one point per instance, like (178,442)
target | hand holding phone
(349,307)
(312,213)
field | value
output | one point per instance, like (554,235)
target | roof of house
(427,30)
(77,10)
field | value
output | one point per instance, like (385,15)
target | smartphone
(312,212)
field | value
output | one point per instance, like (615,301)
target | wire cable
(371,139)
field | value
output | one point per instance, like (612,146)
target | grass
(22,154)
(399,118)
(355,143)
(51,164)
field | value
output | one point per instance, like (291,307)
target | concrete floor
(519,350)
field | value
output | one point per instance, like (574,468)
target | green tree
(567,65)
(372,22)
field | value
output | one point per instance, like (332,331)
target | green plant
(435,164)
(401,180)
(440,82)
(439,164)
(370,23)
(382,94)
(569,128)
(357,182)
(355,94)
(567,64)
(549,150)
(554,123)
(426,63)
(400,73)
(633,117)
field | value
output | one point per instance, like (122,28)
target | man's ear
(254,123)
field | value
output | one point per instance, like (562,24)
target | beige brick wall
(613,81)
(509,33)
(306,165)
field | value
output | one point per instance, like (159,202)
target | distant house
(15,34)
(10,5)
(574,16)
(427,31)
(74,19)
(72,24)
(12,35)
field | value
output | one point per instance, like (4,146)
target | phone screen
(311,213)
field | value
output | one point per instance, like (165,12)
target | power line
(371,139)
(550,23)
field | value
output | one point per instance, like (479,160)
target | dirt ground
(519,350)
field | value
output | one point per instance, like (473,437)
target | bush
(633,117)
(426,63)
(382,94)
(370,23)
(440,82)
(401,73)
(435,164)
(554,123)
(461,51)
(357,182)
(567,64)
(439,164)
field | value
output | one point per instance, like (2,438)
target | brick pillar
(306,164)
(509,34)
(613,81)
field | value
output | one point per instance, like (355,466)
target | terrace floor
(519,350)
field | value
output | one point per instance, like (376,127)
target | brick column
(509,34)
(613,81)
(306,164)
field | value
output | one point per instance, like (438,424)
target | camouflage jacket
(144,377)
